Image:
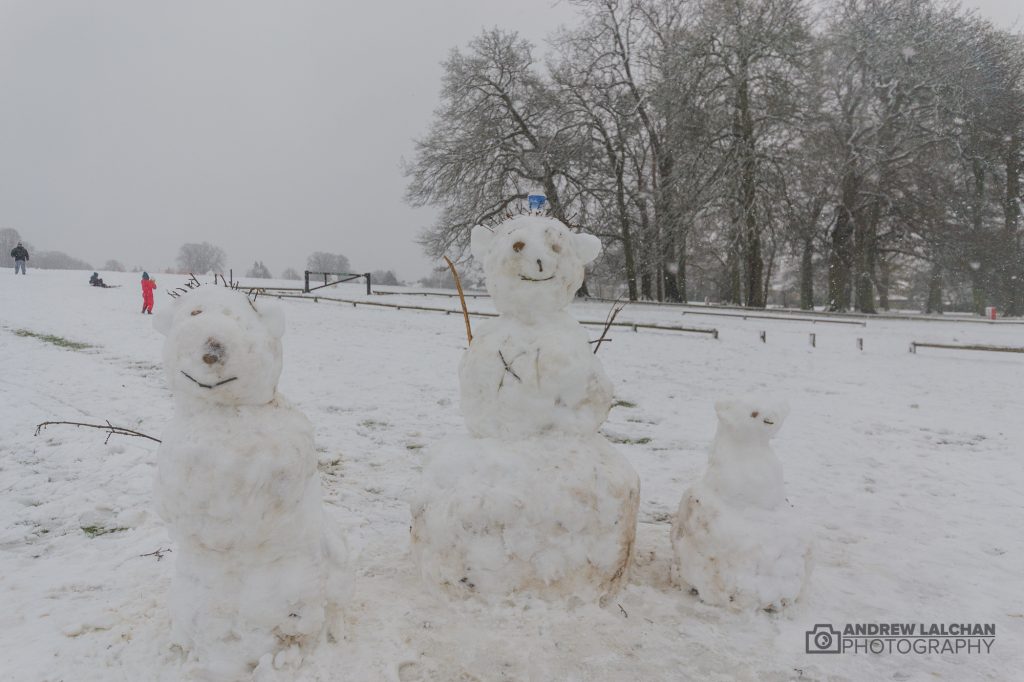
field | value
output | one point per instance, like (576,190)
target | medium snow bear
(535,501)
(532,370)
(256,573)
(735,539)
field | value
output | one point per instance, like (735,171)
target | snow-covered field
(908,468)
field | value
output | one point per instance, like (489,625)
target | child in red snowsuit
(147,293)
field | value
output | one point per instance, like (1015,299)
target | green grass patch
(623,403)
(55,340)
(96,531)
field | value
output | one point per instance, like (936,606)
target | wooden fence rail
(635,326)
(914,345)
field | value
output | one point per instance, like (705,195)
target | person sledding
(148,285)
(97,281)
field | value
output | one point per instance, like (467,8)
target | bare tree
(497,136)
(384,277)
(9,238)
(891,64)
(259,271)
(58,260)
(757,50)
(201,258)
(714,145)
(334,263)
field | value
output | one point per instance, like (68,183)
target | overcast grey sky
(272,129)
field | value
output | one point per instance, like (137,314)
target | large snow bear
(735,538)
(257,575)
(535,501)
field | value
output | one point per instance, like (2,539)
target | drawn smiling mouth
(769,422)
(199,383)
(532,279)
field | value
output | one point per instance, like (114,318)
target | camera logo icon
(823,639)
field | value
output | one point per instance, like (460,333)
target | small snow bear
(257,575)
(535,502)
(735,539)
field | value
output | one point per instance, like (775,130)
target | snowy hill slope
(907,466)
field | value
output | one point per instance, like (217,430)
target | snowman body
(521,379)
(534,501)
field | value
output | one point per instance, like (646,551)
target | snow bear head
(533,264)
(220,347)
(756,418)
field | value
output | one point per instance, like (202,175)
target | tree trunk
(838,264)
(976,258)
(1013,270)
(625,230)
(978,297)
(668,222)
(766,288)
(744,131)
(627,253)
(734,278)
(671,284)
(934,303)
(840,257)
(681,284)
(864,257)
(754,267)
(884,276)
(668,267)
(807,275)
(646,251)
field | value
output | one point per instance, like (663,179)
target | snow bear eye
(754,414)
(518,246)
(557,248)
(195,312)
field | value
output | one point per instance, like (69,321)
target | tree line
(203,258)
(850,155)
(198,258)
(43,260)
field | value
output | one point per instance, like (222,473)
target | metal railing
(342,278)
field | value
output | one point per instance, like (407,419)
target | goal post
(342,277)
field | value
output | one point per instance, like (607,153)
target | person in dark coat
(20,254)
(97,281)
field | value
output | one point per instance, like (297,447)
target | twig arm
(609,321)
(462,298)
(108,427)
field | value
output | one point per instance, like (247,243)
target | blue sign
(536,201)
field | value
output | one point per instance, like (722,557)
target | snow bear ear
(588,247)
(723,408)
(164,318)
(272,315)
(480,241)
